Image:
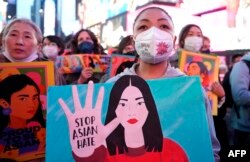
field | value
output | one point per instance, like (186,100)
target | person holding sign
(22,41)
(154,40)
(191,39)
(84,42)
(131,112)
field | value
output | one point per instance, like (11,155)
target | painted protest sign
(203,65)
(119,63)
(23,91)
(76,62)
(99,122)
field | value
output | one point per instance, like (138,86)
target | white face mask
(193,43)
(154,45)
(50,51)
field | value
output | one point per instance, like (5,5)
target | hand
(217,89)
(85,75)
(86,129)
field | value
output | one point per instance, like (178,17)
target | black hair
(74,42)
(203,70)
(123,66)
(152,132)
(148,9)
(57,40)
(183,33)
(235,56)
(128,40)
(12,84)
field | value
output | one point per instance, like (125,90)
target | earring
(6,111)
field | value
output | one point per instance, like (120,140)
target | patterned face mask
(154,45)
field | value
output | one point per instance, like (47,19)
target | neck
(151,71)
(134,139)
(17,122)
(30,58)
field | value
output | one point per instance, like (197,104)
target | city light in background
(225,22)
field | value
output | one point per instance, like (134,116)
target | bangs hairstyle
(183,33)
(57,40)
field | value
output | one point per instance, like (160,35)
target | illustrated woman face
(132,111)
(193,69)
(24,103)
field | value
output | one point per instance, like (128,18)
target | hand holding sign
(86,129)
(85,75)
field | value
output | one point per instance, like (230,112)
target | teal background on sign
(180,105)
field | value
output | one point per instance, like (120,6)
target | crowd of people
(22,41)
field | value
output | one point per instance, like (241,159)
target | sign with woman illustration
(23,90)
(119,63)
(206,67)
(137,121)
(76,62)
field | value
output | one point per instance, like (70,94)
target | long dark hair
(183,34)
(128,40)
(74,43)
(203,70)
(152,132)
(12,84)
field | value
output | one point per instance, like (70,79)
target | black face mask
(130,53)
(86,47)
(206,51)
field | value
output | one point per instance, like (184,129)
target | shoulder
(170,143)
(114,79)
(127,71)
(174,150)
(3,58)
(239,69)
(174,72)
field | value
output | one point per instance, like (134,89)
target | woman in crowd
(191,39)
(84,42)
(206,45)
(52,46)
(126,46)
(153,26)
(22,40)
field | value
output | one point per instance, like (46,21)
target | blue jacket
(240,82)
